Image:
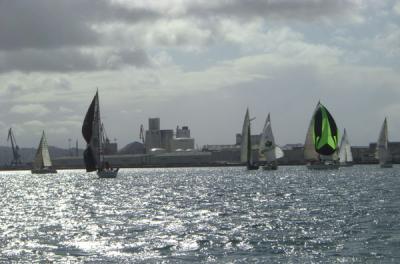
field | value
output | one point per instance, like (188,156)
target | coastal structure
(163,140)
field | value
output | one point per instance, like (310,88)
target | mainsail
(345,154)
(268,150)
(42,157)
(383,153)
(245,154)
(91,133)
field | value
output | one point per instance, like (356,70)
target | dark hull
(252,167)
(107,173)
(322,166)
(44,171)
(386,165)
(270,167)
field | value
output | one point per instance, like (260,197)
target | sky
(198,63)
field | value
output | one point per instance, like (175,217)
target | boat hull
(107,173)
(252,167)
(346,164)
(43,171)
(386,165)
(323,166)
(271,166)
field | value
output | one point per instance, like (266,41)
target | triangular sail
(309,149)
(383,153)
(42,157)
(244,152)
(268,151)
(91,132)
(325,136)
(345,154)
(278,152)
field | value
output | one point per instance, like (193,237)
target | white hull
(107,173)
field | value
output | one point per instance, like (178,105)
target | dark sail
(89,159)
(87,132)
(87,126)
(325,132)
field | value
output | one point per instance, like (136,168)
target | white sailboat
(345,155)
(382,149)
(268,151)
(246,154)
(320,147)
(42,163)
(93,134)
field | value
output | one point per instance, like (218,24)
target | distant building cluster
(165,140)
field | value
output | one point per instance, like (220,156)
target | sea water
(184,215)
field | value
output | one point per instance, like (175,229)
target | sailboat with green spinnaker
(321,145)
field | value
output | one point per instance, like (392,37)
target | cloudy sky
(198,63)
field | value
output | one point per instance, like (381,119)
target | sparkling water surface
(184,215)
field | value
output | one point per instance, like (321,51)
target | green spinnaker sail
(326,134)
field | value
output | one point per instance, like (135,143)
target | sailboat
(42,163)
(93,134)
(320,148)
(268,151)
(345,155)
(382,148)
(246,154)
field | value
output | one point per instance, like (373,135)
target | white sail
(245,137)
(42,158)
(345,154)
(268,151)
(382,152)
(278,152)
(309,148)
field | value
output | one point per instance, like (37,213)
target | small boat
(246,154)
(92,131)
(345,155)
(382,148)
(268,151)
(320,148)
(42,163)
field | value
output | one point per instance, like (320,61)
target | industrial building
(158,140)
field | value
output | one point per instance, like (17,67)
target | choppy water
(202,214)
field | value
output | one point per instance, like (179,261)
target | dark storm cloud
(286,9)
(44,24)
(70,60)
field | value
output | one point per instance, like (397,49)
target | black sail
(89,159)
(87,132)
(87,126)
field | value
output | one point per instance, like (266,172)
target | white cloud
(30,109)
(396,7)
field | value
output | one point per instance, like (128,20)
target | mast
(98,129)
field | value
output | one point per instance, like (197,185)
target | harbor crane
(15,149)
